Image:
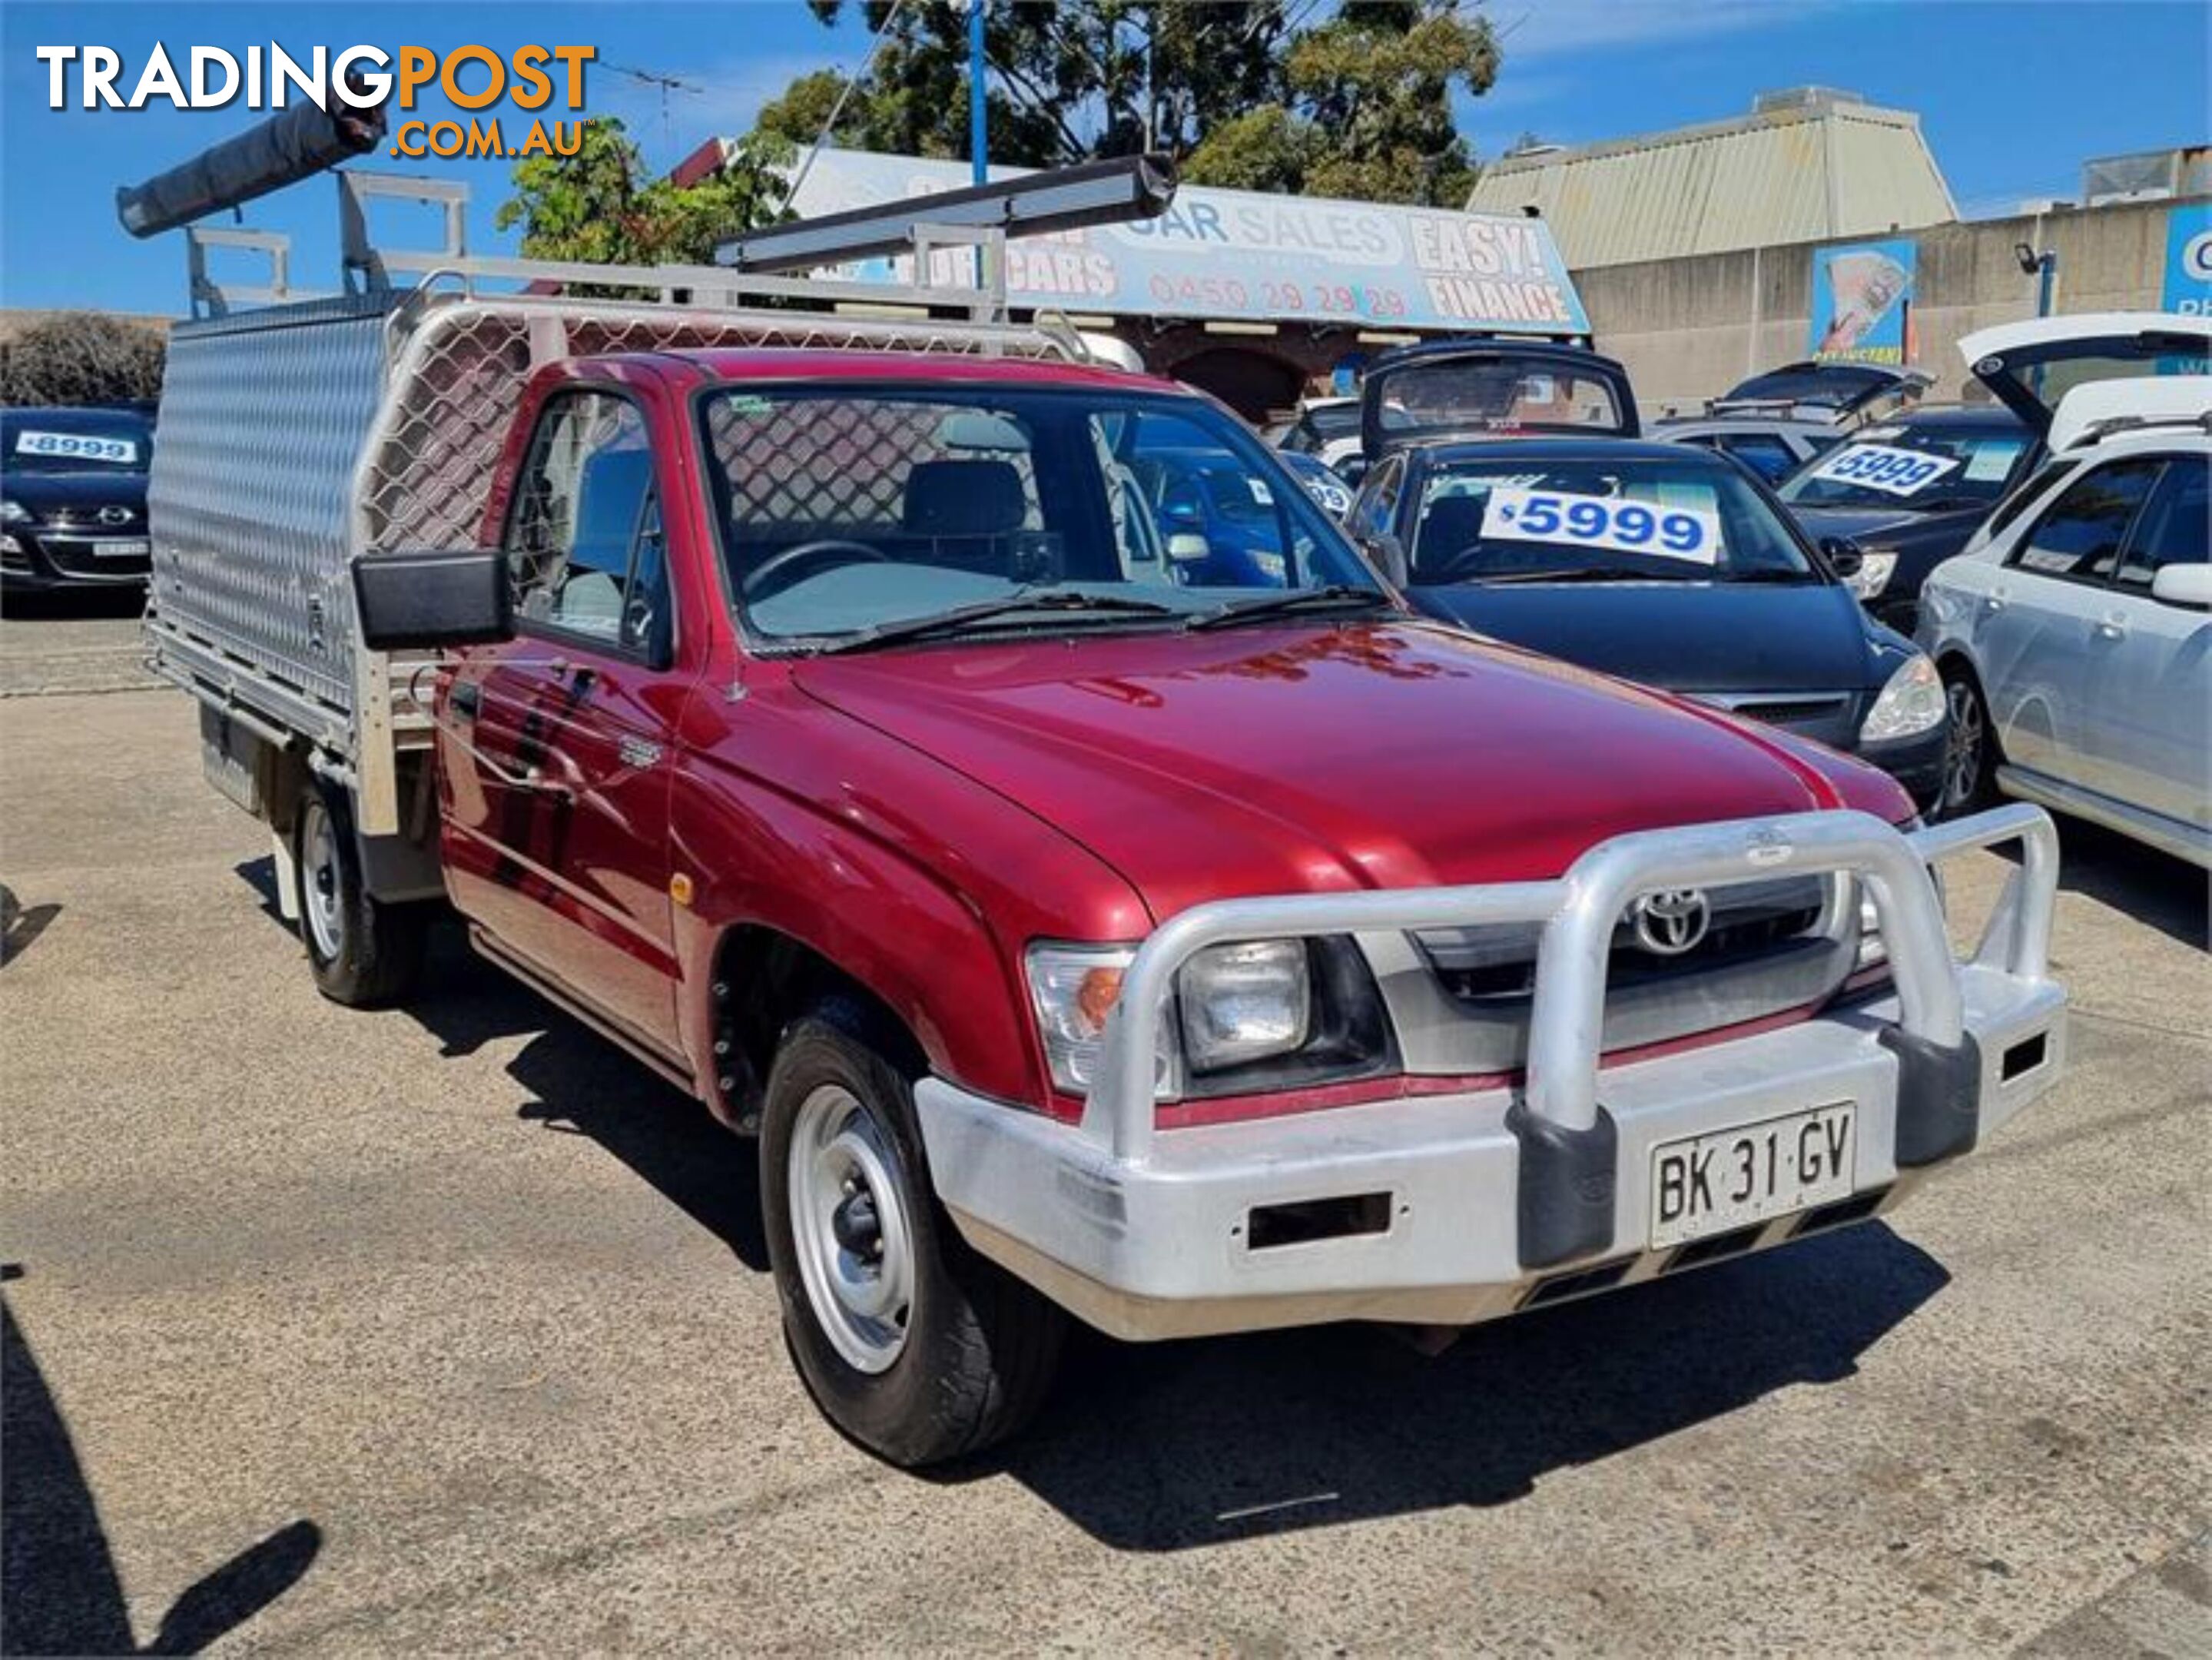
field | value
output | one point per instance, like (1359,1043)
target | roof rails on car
(2109,425)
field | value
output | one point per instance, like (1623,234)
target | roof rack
(367,265)
(762,266)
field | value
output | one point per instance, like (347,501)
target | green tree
(600,206)
(1244,92)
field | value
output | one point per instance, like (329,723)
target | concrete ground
(449,1330)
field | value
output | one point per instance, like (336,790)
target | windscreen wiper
(1044,603)
(1581,573)
(1336,596)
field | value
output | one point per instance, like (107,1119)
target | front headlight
(1244,1002)
(1911,704)
(14,513)
(1261,1014)
(1872,575)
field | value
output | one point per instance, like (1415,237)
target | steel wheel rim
(1962,759)
(849,1228)
(321,885)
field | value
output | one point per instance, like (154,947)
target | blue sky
(2014,95)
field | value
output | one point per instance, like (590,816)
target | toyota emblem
(1672,921)
(115,515)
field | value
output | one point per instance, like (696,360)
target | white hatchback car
(2074,632)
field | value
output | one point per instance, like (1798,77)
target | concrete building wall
(1690,328)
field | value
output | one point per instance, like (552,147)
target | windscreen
(844,511)
(1628,518)
(30,442)
(1913,468)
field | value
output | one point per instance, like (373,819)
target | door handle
(467,700)
(2112,628)
(1993,602)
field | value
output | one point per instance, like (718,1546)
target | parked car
(1663,565)
(826,727)
(1216,514)
(1321,482)
(1909,492)
(2074,640)
(1326,428)
(1776,421)
(73,498)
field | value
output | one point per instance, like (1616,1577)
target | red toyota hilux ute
(993,782)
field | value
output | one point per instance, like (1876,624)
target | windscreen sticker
(1989,463)
(1893,472)
(82,446)
(1602,521)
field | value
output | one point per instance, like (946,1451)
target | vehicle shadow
(1161,1448)
(59,1590)
(2155,888)
(21,924)
(582,1085)
(71,605)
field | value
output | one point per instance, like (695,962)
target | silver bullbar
(1457,1207)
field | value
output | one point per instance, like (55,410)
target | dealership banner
(1861,305)
(1239,254)
(2188,286)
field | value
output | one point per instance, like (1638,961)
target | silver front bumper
(1468,1204)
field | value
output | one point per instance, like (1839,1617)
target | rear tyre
(910,1343)
(363,953)
(1970,753)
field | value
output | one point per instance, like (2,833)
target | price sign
(86,446)
(1602,521)
(1894,472)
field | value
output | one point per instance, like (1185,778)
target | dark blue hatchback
(1660,564)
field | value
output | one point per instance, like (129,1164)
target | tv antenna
(666,84)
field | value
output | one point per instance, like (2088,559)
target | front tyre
(1970,751)
(910,1343)
(363,953)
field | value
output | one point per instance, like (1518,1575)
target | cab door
(557,826)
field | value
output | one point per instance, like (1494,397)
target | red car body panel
(919,816)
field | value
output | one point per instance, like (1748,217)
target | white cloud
(1542,29)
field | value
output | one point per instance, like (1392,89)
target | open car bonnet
(2031,367)
(1491,388)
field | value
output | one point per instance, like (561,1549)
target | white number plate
(1877,466)
(1602,521)
(1732,1178)
(121,452)
(122,548)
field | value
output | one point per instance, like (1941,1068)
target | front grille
(89,521)
(1771,945)
(74,556)
(1817,714)
(1474,964)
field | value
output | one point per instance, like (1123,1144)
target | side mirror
(1388,555)
(2183,585)
(421,600)
(1843,556)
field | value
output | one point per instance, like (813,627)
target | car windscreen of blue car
(1622,517)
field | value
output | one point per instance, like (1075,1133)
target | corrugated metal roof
(1814,171)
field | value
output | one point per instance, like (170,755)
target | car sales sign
(1893,472)
(1231,254)
(1602,521)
